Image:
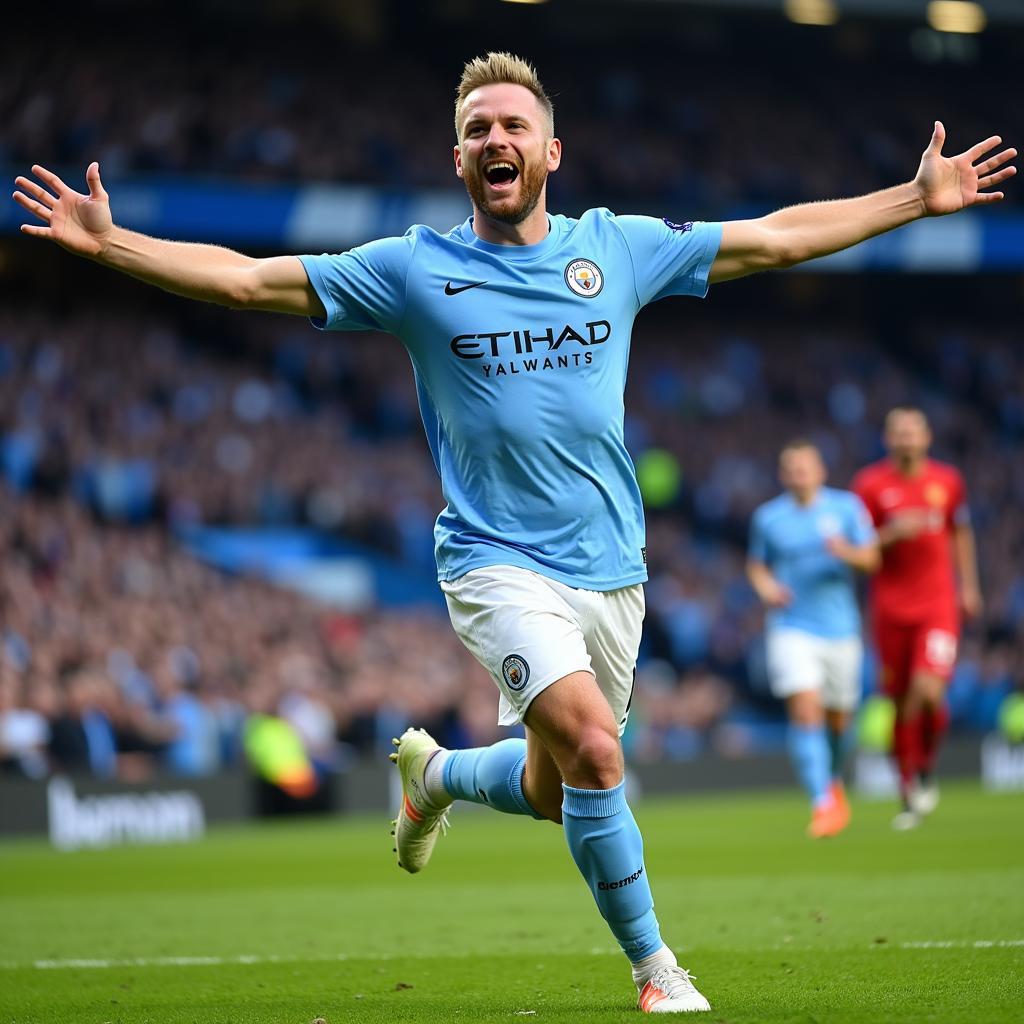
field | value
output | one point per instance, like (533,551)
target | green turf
(775,927)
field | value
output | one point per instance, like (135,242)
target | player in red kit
(929,577)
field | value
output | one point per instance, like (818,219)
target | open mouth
(501,174)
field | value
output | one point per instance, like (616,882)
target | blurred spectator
(24,731)
(271,114)
(137,658)
(121,655)
(82,739)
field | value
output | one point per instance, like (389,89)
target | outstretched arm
(82,224)
(787,237)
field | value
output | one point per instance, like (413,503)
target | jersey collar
(512,252)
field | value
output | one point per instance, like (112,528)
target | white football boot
(670,989)
(905,821)
(924,798)
(420,820)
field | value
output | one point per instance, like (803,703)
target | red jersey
(917,580)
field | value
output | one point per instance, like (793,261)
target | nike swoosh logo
(450,290)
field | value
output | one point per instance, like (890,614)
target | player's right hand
(80,223)
(971,603)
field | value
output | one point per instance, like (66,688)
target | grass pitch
(291,922)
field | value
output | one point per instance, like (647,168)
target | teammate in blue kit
(804,546)
(518,326)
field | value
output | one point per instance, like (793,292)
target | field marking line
(80,963)
(957,944)
(96,963)
(84,963)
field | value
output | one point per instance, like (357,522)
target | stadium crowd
(386,120)
(122,653)
(119,428)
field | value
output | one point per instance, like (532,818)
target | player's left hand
(950,183)
(838,546)
(971,602)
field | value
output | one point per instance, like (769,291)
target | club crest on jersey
(935,494)
(829,525)
(515,671)
(584,277)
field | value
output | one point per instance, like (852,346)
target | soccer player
(517,323)
(804,546)
(919,507)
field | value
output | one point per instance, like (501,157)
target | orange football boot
(828,819)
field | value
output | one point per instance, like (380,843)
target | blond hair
(502,68)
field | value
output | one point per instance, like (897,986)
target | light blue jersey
(520,356)
(790,539)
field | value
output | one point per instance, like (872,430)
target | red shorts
(905,649)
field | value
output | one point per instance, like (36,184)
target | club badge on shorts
(515,671)
(584,277)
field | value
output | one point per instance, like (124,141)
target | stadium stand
(122,428)
(125,422)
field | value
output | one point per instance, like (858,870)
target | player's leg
(894,642)
(906,752)
(922,717)
(577,726)
(837,729)
(542,782)
(516,776)
(796,672)
(809,751)
(527,636)
(844,659)
(934,726)
(808,744)
(614,623)
(925,714)
(933,662)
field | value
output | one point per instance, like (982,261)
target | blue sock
(605,842)
(809,751)
(490,775)
(838,745)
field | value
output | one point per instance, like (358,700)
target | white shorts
(799,661)
(529,631)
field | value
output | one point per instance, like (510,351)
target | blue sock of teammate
(838,745)
(809,751)
(489,775)
(605,842)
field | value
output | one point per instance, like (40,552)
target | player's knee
(596,762)
(929,689)
(805,708)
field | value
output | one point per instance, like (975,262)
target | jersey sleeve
(363,289)
(861,527)
(670,258)
(757,546)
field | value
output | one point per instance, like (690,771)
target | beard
(531,188)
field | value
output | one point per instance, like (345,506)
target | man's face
(801,470)
(505,154)
(907,436)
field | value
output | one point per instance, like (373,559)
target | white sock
(433,779)
(643,969)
